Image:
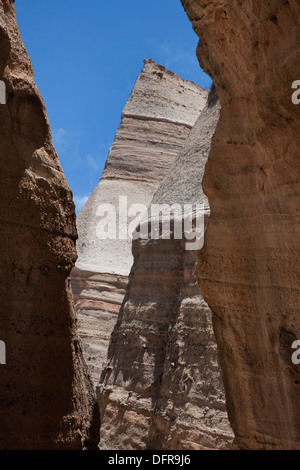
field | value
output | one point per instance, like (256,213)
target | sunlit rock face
(249,269)
(46,397)
(161,388)
(155,123)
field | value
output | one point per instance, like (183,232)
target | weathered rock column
(46,397)
(155,122)
(162,387)
(249,269)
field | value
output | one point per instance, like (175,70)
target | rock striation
(155,123)
(249,270)
(161,388)
(46,396)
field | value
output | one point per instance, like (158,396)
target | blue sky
(86,57)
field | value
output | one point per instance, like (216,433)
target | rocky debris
(161,388)
(156,121)
(46,396)
(249,271)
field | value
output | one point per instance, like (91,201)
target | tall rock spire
(156,120)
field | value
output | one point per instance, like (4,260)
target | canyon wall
(161,387)
(46,397)
(155,123)
(249,270)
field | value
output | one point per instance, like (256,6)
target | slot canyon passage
(176,365)
(161,388)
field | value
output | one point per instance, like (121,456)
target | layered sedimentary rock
(161,388)
(249,270)
(156,120)
(46,396)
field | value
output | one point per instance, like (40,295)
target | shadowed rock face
(156,121)
(46,398)
(162,388)
(249,270)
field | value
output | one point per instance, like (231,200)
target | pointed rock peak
(161,94)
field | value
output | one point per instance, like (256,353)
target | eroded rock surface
(161,388)
(46,397)
(156,121)
(249,270)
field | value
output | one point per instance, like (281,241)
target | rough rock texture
(46,397)
(98,297)
(161,388)
(249,270)
(156,120)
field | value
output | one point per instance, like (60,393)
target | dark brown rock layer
(249,271)
(46,397)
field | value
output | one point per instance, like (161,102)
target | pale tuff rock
(46,397)
(161,388)
(155,122)
(163,95)
(249,270)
